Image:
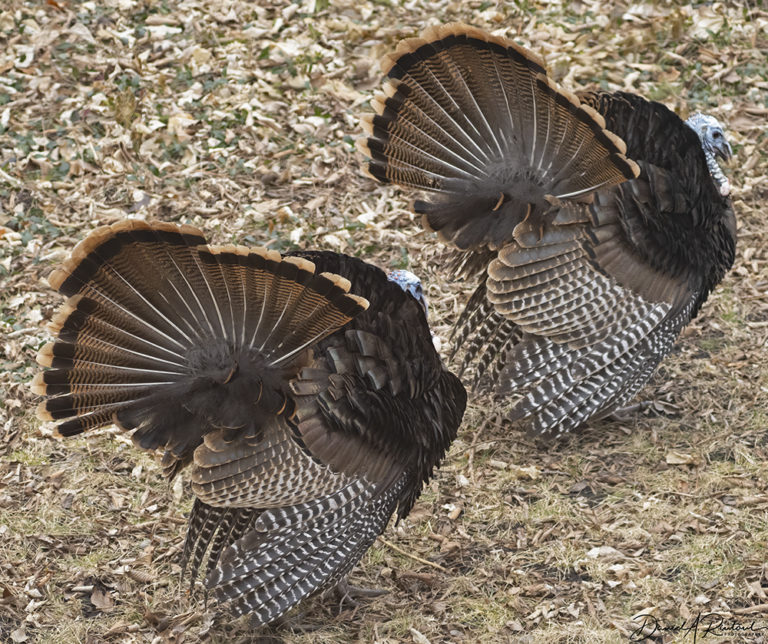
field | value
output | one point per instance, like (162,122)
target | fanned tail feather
(474,120)
(165,333)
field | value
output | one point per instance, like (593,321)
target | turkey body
(307,416)
(592,221)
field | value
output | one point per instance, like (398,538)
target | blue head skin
(410,284)
(714,144)
(711,135)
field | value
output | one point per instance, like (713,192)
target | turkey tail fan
(165,333)
(474,120)
(292,552)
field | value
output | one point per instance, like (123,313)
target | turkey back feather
(381,379)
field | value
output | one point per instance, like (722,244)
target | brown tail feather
(164,333)
(474,119)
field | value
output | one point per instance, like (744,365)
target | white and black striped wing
(275,522)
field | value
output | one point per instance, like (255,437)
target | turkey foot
(348,594)
(623,414)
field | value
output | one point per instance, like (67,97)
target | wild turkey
(598,223)
(306,419)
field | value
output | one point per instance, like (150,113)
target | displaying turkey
(307,414)
(598,223)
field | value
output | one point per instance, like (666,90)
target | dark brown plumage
(598,223)
(307,415)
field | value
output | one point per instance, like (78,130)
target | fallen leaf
(101,600)
(530,472)
(605,552)
(419,638)
(679,458)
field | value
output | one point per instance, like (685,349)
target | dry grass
(241,119)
